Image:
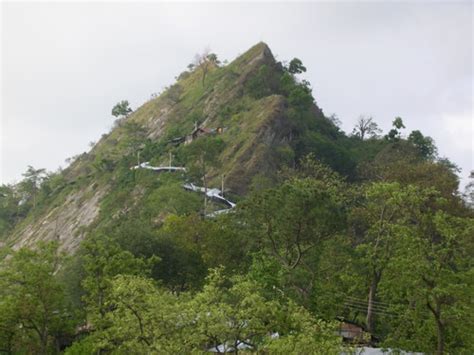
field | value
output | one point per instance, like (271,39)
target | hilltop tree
(425,145)
(121,109)
(394,134)
(296,66)
(335,120)
(398,123)
(212,57)
(31,183)
(204,61)
(366,126)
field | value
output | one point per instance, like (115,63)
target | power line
(362,309)
(362,299)
(366,303)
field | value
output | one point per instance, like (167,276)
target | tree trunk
(370,320)
(440,346)
(204,73)
(436,311)
(44,342)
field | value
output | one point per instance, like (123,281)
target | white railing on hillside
(146,165)
(212,193)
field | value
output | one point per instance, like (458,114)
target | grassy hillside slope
(269,119)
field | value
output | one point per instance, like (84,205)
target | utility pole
(222,185)
(204,179)
(171,158)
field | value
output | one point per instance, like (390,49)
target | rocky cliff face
(259,154)
(258,134)
(66,223)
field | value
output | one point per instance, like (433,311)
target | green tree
(305,335)
(135,136)
(425,145)
(194,245)
(34,313)
(430,277)
(31,183)
(296,66)
(181,248)
(291,223)
(171,198)
(375,223)
(10,337)
(401,163)
(212,57)
(237,314)
(398,123)
(294,218)
(264,82)
(142,318)
(298,93)
(228,314)
(10,209)
(121,109)
(102,260)
(394,134)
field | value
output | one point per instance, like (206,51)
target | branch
(139,323)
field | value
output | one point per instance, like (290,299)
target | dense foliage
(363,229)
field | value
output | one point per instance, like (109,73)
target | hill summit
(261,114)
(229,213)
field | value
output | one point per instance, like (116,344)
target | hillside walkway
(147,165)
(213,193)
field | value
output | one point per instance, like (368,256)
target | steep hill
(263,116)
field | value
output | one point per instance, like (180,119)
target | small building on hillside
(201,131)
(351,332)
(196,133)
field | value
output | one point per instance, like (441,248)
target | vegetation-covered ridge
(337,240)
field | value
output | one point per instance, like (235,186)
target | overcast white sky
(64,65)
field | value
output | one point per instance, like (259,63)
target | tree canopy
(121,109)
